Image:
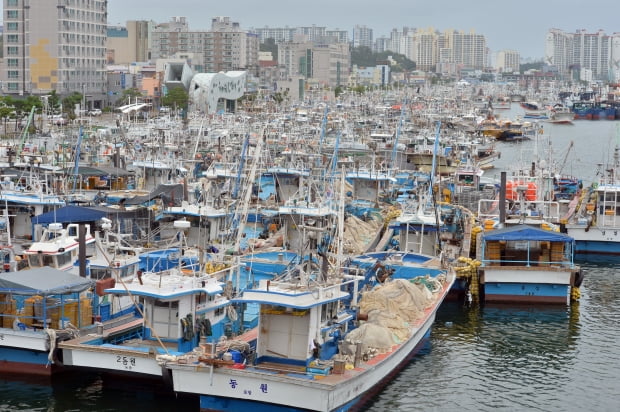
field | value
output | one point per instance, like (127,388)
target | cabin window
(99,274)
(610,197)
(202,298)
(329,311)
(64,259)
(72,231)
(167,304)
(34,261)
(48,260)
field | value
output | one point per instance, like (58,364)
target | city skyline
(519,26)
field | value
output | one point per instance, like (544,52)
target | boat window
(34,261)
(201,298)
(72,231)
(64,259)
(166,304)
(610,196)
(48,260)
(99,274)
(329,311)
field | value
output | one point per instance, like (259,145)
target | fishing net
(358,234)
(392,308)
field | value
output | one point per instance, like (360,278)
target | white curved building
(206,89)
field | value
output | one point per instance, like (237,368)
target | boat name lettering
(126,360)
(263,387)
(247,392)
(233,383)
(1,336)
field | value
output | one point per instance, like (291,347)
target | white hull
(26,339)
(117,360)
(291,391)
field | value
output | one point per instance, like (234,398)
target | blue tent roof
(524,232)
(69,214)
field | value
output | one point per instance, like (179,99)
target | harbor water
(509,358)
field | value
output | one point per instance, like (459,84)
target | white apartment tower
(362,36)
(592,51)
(508,61)
(224,47)
(466,49)
(559,50)
(595,53)
(426,52)
(55,45)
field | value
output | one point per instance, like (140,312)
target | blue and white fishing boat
(595,226)
(310,352)
(40,308)
(525,264)
(174,311)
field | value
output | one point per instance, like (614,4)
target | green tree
(69,102)
(5,113)
(363,56)
(270,46)
(176,97)
(131,93)
(53,100)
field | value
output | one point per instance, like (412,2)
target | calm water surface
(492,358)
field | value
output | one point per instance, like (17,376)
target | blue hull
(525,292)
(23,361)
(595,247)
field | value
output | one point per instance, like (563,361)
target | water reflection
(488,358)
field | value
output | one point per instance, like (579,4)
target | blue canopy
(526,233)
(69,214)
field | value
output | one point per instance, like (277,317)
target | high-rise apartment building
(466,49)
(326,64)
(362,36)
(55,45)
(425,49)
(316,34)
(596,53)
(130,43)
(279,34)
(508,61)
(222,48)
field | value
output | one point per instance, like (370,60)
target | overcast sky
(517,25)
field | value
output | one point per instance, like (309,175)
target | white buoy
(182,224)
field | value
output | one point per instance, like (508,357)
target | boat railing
(547,210)
(533,263)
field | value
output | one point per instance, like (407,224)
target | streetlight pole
(83,108)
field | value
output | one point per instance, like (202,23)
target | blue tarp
(526,233)
(69,214)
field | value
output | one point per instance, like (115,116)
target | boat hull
(600,241)
(517,284)
(229,389)
(25,352)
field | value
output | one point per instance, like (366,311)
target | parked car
(58,120)
(94,112)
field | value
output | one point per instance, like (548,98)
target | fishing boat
(595,225)
(40,308)
(560,114)
(525,264)
(534,110)
(174,310)
(58,246)
(314,349)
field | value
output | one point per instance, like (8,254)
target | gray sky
(517,24)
